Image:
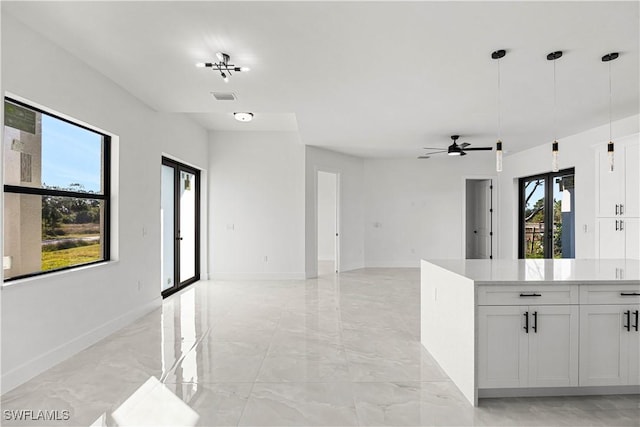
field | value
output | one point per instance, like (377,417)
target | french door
(180,217)
(547,215)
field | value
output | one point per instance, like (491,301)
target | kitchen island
(533,327)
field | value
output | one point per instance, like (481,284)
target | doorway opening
(547,215)
(327,230)
(180,222)
(479,219)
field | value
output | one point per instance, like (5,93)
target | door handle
(178,238)
(621,225)
(616,225)
(621,209)
(526,322)
(635,313)
(535,322)
(627,315)
(617,207)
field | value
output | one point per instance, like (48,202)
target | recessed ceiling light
(243,117)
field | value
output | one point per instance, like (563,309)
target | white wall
(351,215)
(326,216)
(414,209)
(46,319)
(257,219)
(575,151)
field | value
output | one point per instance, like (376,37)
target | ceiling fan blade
(462,153)
(433,148)
(424,157)
(435,152)
(464,144)
(479,149)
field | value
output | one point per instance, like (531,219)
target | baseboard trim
(39,364)
(393,264)
(257,276)
(558,391)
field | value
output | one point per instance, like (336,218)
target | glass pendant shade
(499,156)
(554,157)
(610,155)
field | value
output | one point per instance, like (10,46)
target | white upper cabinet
(618,192)
(631,205)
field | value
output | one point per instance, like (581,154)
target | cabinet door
(553,346)
(502,347)
(611,241)
(631,232)
(603,358)
(632,346)
(632,180)
(610,190)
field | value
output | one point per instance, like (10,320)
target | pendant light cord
(555,107)
(610,133)
(499,105)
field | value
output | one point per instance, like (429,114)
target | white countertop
(545,271)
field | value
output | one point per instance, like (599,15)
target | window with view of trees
(56,193)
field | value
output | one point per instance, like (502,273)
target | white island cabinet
(533,327)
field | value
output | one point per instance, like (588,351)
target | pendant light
(498,54)
(554,147)
(608,58)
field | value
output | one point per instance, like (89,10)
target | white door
(632,180)
(610,184)
(483,219)
(502,347)
(611,241)
(553,346)
(602,358)
(478,219)
(631,230)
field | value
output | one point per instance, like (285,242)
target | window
(56,193)
(547,215)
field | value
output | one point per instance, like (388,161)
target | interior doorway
(180,222)
(479,219)
(327,214)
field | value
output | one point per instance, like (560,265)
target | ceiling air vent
(224,96)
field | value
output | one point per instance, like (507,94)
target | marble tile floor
(339,350)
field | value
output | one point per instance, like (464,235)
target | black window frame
(548,178)
(105,196)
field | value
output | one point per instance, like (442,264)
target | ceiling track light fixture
(499,54)
(608,58)
(222,66)
(243,117)
(555,166)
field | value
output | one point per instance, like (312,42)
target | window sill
(58,274)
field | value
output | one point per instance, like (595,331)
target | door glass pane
(187,225)
(563,217)
(534,213)
(167,220)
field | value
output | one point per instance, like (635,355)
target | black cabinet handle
(636,316)
(629,294)
(617,213)
(616,225)
(535,322)
(531,295)
(526,321)
(627,315)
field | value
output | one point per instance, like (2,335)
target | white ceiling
(366,78)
